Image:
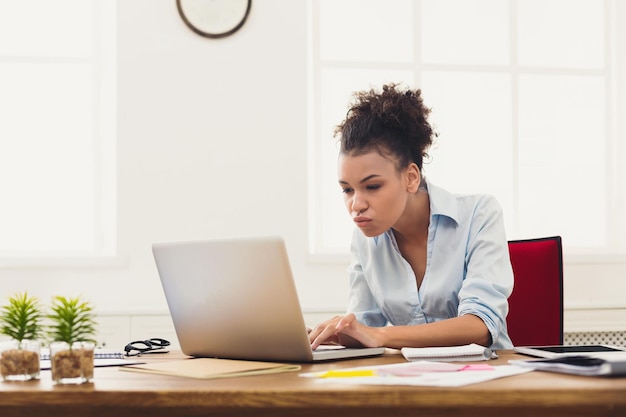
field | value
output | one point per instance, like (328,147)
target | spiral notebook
(98,353)
(464,353)
(101,358)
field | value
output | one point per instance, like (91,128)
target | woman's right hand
(345,331)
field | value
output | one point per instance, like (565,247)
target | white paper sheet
(471,374)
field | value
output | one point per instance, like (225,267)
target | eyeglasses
(139,347)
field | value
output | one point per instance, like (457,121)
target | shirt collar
(442,203)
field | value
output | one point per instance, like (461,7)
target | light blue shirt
(468,270)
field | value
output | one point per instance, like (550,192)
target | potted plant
(20,320)
(71,330)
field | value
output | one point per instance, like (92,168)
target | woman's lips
(362,221)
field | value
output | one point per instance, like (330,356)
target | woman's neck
(413,225)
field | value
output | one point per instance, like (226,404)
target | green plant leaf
(72,320)
(21,318)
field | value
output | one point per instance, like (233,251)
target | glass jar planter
(19,361)
(72,364)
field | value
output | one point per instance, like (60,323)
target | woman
(429,268)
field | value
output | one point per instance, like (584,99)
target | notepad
(210,368)
(464,353)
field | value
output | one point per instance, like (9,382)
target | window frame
(103,67)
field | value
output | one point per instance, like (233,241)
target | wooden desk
(117,393)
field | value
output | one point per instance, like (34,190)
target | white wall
(213,135)
(212,142)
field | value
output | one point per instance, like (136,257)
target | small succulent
(72,320)
(21,318)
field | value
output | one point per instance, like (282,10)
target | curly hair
(393,123)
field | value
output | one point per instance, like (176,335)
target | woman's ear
(414,178)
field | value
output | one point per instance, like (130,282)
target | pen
(348,373)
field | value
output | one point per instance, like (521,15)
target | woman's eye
(373,187)
(346,190)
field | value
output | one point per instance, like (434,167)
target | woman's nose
(358,205)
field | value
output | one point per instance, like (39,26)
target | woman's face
(375,193)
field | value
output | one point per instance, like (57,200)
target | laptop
(236,299)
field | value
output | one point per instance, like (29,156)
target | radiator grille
(595,338)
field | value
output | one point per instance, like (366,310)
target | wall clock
(214,18)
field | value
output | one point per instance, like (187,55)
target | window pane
(535,137)
(46,159)
(473,153)
(465,32)
(336,88)
(46,28)
(561,33)
(366,30)
(562,158)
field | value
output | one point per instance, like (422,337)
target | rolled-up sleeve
(489,277)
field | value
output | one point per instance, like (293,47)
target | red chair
(536,304)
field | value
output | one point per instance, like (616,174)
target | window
(57,136)
(524,96)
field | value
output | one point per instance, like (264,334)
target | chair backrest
(536,304)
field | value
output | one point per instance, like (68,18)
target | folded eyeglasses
(140,347)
